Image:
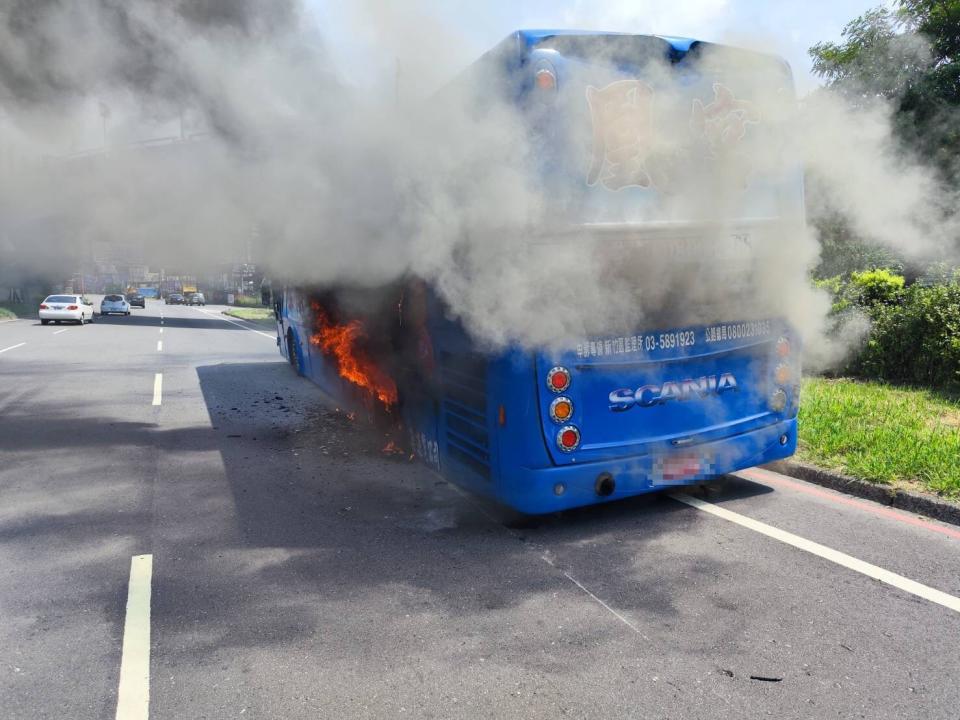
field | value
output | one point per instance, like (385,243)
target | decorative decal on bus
(624,135)
(723,123)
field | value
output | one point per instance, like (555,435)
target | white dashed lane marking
(13,347)
(157,388)
(133,694)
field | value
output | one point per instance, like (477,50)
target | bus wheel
(292,352)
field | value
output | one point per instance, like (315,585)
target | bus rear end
(625,415)
(664,160)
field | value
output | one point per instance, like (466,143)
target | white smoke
(344,185)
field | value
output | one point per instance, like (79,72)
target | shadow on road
(334,524)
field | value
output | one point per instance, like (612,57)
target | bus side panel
(297,323)
(520,440)
(465,434)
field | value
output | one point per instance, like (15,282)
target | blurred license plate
(678,468)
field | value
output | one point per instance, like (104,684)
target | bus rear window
(639,50)
(615,49)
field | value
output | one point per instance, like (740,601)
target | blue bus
(611,415)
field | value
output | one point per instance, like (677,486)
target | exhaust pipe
(605,484)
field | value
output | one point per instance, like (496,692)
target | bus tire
(292,353)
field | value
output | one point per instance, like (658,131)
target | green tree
(911,57)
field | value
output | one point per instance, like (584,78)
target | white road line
(13,347)
(60,331)
(161,331)
(133,696)
(157,388)
(159,345)
(234,322)
(544,555)
(834,556)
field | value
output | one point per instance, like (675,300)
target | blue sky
(455,31)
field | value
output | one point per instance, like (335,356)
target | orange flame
(340,342)
(391,448)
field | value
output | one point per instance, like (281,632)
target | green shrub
(247,301)
(915,329)
(833,285)
(916,340)
(874,287)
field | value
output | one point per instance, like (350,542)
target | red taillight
(783,347)
(558,379)
(568,438)
(73,307)
(43,307)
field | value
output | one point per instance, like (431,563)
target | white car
(114,305)
(57,308)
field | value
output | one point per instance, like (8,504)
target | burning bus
(665,162)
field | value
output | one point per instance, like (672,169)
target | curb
(271,324)
(915,502)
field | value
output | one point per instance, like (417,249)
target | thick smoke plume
(336,185)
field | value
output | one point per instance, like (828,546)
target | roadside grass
(247,301)
(259,314)
(882,433)
(12,311)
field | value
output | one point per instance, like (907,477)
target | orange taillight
(782,374)
(545,80)
(561,409)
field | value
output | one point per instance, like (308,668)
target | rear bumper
(60,314)
(535,490)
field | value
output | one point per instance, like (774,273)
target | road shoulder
(892,495)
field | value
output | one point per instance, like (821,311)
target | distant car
(136,300)
(175,299)
(196,299)
(57,308)
(114,305)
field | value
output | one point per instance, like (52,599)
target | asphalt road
(298,572)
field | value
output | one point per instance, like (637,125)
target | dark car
(196,299)
(175,299)
(136,300)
